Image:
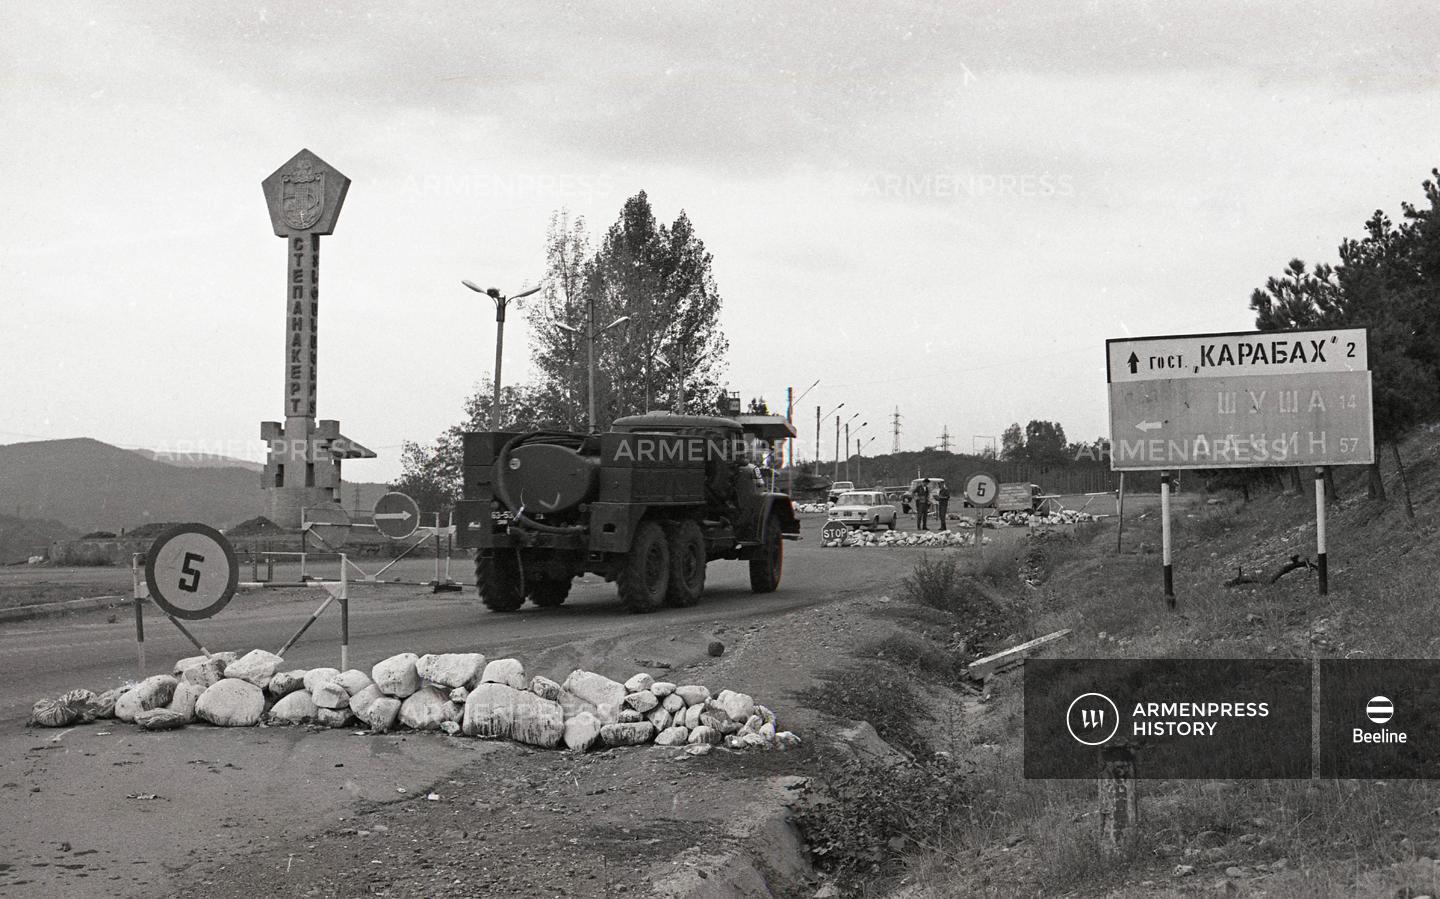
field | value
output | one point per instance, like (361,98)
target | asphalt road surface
(106,809)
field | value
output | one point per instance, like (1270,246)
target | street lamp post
(590,335)
(790,441)
(847,443)
(501,301)
(818,416)
(858,450)
(837,441)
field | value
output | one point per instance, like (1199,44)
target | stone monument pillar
(302,469)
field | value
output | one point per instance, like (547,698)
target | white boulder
(606,695)
(458,694)
(286,682)
(662,689)
(425,708)
(203,672)
(333,717)
(693,694)
(505,671)
(739,706)
(692,716)
(660,718)
(499,710)
(671,702)
(707,735)
(231,703)
(545,688)
(295,707)
(161,719)
(316,676)
(450,669)
(183,702)
(330,695)
(672,736)
(396,676)
(642,701)
(353,680)
(381,714)
(361,700)
(582,731)
(224,659)
(627,734)
(641,681)
(151,693)
(256,666)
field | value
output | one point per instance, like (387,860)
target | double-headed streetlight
(847,446)
(590,335)
(790,441)
(818,418)
(859,450)
(501,301)
(837,441)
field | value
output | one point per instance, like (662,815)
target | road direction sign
(1271,398)
(191,571)
(396,515)
(980,490)
(330,523)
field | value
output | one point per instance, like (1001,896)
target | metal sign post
(1165,538)
(1320,530)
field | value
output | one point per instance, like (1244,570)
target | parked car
(864,509)
(840,487)
(935,485)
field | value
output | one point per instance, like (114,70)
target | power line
(944,439)
(895,427)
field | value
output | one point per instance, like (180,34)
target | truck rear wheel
(548,594)
(687,564)
(644,576)
(765,568)
(500,585)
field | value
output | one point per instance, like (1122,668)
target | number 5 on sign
(191,571)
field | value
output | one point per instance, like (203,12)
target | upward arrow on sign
(1133,362)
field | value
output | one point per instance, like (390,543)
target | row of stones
(450,692)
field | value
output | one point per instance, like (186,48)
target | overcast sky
(942,207)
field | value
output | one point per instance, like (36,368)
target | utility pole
(945,439)
(817,441)
(790,442)
(837,449)
(847,450)
(895,426)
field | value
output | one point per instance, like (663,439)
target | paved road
(76,822)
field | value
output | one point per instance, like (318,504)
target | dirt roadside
(521,822)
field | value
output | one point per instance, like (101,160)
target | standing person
(922,505)
(942,503)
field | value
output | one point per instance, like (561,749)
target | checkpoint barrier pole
(1320,560)
(136,600)
(340,592)
(1165,538)
(1120,514)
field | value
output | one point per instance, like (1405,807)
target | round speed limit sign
(980,490)
(191,571)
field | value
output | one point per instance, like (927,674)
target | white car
(864,509)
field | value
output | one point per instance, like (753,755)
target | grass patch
(878,693)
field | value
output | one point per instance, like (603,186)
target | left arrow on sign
(1149,425)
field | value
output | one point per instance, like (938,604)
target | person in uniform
(922,505)
(942,503)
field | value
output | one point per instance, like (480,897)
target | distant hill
(199,460)
(89,485)
(21,538)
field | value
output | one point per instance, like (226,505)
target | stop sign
(396,516)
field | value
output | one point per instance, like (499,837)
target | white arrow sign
(1149,425)
(392,516)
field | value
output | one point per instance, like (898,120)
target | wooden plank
(983,668)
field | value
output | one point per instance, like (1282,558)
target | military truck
(646,505)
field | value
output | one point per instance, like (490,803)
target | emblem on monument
(302,196)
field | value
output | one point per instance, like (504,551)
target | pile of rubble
(812,508)
(456,693)
(1023,519)
(906,538)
